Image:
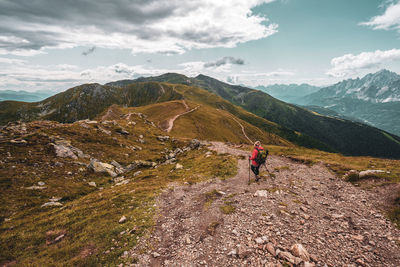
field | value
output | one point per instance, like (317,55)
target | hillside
(186,119)
(85,101)
(101,192)
(88,101)
(347,137)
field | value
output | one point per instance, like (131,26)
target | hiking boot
(257,178)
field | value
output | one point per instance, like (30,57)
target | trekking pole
(249,172)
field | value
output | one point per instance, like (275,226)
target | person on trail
(257,159)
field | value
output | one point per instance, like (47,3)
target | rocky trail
(304,216)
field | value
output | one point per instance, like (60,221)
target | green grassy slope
(205,123)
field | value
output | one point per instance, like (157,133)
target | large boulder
(367,173)
(64,149)
(140,164)
(101,167)
(194,144)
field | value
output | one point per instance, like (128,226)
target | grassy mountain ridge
(295,124)
(347,137)
(85,101)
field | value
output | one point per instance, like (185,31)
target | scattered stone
(137,173)
(233,252)
(337,216)
(299,251)
(360,262)
(122,220)
(242,251)
(155,255)
(92,184)
(59,238)
(36,187)
(64,149)
(20,142)
(100,167)
(270,248)
(41,183)
(313,257)
(139,164)
(358,237)
(261,193)
(122,131)
(163,138)
(55,199)
(51,204)
(178,166)
(194,144)
(101,129)
(307,264)
(287,256)
(259,241)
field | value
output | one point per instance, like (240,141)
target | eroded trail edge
(335,222)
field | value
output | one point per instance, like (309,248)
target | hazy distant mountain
(288,92)
(24,96)
(374,99)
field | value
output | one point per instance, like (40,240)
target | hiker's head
(257,143)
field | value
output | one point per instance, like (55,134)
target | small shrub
(212,228)
(227,209)
(353,177)
(394,216)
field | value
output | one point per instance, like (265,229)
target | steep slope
(347,137)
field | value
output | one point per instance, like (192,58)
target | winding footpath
(172,120)
(337,223)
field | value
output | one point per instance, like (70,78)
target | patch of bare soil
(337,224)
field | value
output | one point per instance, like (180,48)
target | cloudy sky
(57,44)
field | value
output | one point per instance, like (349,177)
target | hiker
(257,159)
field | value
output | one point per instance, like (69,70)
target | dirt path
(336,222)
(172,120)
(243,131)
(163,92)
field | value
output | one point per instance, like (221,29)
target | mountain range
(295,124)
(337,134)
(373,99)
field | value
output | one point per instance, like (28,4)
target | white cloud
(349,64)
(164,26)
(390,20)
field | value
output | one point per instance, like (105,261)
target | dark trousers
(255,169)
